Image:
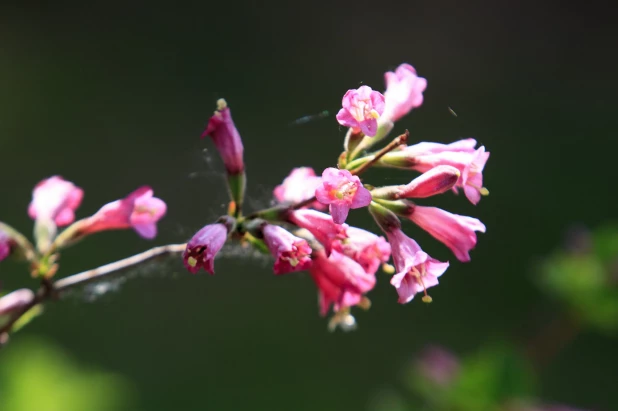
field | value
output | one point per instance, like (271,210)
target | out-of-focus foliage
(36,375)
(584,276)
(496,378)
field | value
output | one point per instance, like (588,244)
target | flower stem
(50,290)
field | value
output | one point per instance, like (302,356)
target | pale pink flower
(433,182)
(466,145)
(341,280)
(139,210)
(416,270)
(203,247)
(457,232)
(55,199)
(291,253)
(15,301)
(361,110)
(404,91)
(364,247)
(469,164)
(226,138)
(5,245)
(342,191)
(320,225)
(438,365)
(299,186)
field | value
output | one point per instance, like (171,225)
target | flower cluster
(343,260)
(298,232)
(53,205)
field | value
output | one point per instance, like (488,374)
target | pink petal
(339,212)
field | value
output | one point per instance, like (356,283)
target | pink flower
(416,270)
(139,210)
(225,136)
(320,225)
(438,365)
(203,247)
(435,181)
(404,91)
(466,145)
(55,199)
(361,110)
(469,164)
(15,300)
(457,232)
(342,191)
(365,248)
(291,253)
(299,186)
(5,245)
(341,281)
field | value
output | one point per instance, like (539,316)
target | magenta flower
(341,281)
(226,138)
(291,253)
(15,300)
(203,247)
(433,182)
(299,186)
(364,247)
(404,91)
(320,225)
(5,245)
(55,199)
(139,210)
(416,270)
(361,110)
(455,231)
(342,191)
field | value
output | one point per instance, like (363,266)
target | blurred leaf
(35,375)
(585,281)
(490,378)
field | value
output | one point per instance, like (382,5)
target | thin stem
(52,290)
(402,139)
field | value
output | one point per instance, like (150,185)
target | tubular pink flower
(455,231)
(433,182)
(15,300)
(55,199)
(341,281)
(320,225)
(5,246)
(361,110)
(291,253)
(226,138)
(299,186)
(416,270)
(364,247)
(342,191)
(466,145)
(404,91)
(139,210)
(469,164)
(203,247)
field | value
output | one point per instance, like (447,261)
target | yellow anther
(388,268)
(192,261)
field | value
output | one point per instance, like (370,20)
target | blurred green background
(114,96)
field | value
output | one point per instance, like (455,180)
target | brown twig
(48,291)
(399,140)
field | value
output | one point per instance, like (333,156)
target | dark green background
(115,96)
